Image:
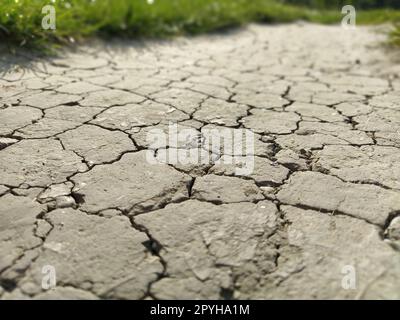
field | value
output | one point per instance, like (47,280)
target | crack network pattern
(77,193)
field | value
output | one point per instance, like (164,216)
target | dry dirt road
(83,208)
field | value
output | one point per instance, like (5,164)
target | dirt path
(315,216)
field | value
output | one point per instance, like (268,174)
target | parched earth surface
(322,205)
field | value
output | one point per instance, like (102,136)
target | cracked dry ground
(78,194)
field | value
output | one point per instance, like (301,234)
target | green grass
(395,36)
(20,20)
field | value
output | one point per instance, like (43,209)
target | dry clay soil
(322,204)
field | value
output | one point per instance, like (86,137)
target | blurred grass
(20,20)
(395,36)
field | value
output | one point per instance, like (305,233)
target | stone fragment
(48,99)
(322,192)
(97,145)
(304,91)
(132,184)
(17,218)
(322,249)
(202,243)
(56,190)
(220,189)
(137,82)
(78,88)
(46,128)
(262,170)
(220,112)
(315,135)
(366,164)
(229,141)
(104,80)
(73,113)
(263,86)
(27,191)
(135,115)
(332,98)
(14,118)
(268,121)
(379,120)
(209,90)
(109,98)
(316,112)
(82,247)
(37,163)
(387,101)
(182,99)
(167,135)
(292,160)
(353,109)
(110,213)
(65,202)
(211,80)
(193,161)
(5,142)
(43,228)
(261,100)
